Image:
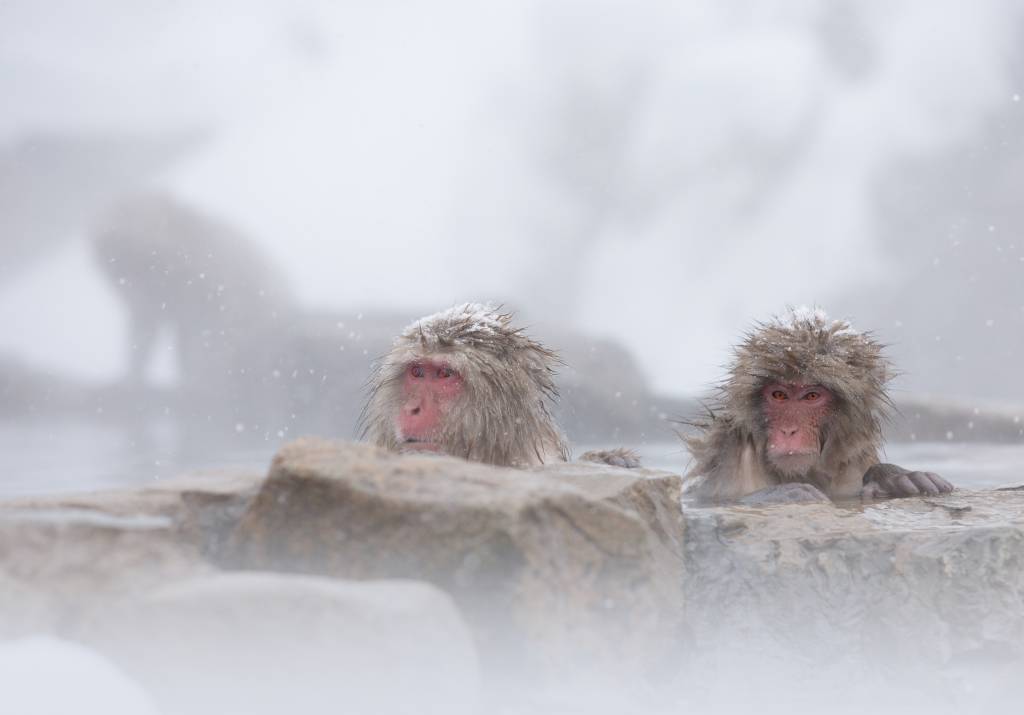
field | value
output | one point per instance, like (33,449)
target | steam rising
(640,183)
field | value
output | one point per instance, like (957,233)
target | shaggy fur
(807,348)
(503,416)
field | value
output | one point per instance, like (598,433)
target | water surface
(50,456)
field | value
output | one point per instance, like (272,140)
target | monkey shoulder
(715,438)
(727,465)
(711,435)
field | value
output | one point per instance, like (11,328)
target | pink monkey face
(795,414)
(429,388)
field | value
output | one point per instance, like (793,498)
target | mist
(661,175)
(641,184)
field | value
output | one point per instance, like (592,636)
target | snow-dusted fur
(804,347)
(504,415)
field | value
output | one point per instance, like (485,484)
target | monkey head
(467,383)
(804,386)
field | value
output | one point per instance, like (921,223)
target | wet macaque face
(794,415)
(429,389)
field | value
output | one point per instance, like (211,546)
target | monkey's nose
(788,431)
(412,406)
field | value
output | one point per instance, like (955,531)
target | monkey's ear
(618,457)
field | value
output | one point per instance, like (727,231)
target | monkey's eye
(443,372)
(779,395)
(417,371)
(812,396)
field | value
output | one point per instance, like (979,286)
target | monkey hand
(889,480)
(792,493)
(619,457)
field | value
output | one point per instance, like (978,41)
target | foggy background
(640,182)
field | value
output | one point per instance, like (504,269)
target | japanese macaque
(467,383)
(799,417)
(184,272)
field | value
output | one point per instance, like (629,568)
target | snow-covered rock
(271,643)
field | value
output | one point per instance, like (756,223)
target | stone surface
(564,573)
(922,580)
(61,556)
(551,567)
(272,643)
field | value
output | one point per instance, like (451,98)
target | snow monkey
(178,269)
(467,383)
(800,414)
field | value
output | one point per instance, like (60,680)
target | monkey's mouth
(415,444)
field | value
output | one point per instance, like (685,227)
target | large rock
(60,557)
(567,571)
(925,594)
(568,565)
(272,643)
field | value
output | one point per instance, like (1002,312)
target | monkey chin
(793,464)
